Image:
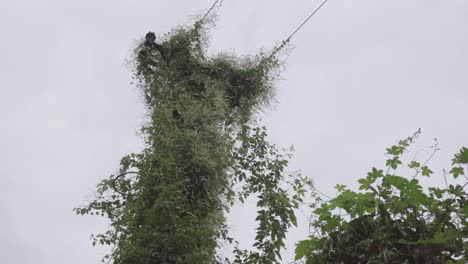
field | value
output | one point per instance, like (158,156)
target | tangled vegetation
(393,219)
(199,144)
(202,154)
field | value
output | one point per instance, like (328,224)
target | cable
(209,10)
(288,39)
(306,20)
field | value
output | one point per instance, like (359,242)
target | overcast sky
(362,74)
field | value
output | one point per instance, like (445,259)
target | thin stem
(436,148)
(319,192)
(445,178)
(465,172)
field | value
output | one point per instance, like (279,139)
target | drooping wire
(288,39)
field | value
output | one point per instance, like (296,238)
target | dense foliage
(392,218)
(199,145)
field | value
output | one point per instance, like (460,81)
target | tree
(199,143)
(392,219)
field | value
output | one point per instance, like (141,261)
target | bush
(392,218)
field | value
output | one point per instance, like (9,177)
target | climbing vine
(167,204)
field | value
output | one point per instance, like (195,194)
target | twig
(445,178)
(436,148)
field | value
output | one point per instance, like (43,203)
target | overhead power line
(288,39)
(211,9)
(306,20)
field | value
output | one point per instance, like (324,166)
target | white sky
(362,75)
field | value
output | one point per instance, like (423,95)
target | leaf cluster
(260,168)
(392,218)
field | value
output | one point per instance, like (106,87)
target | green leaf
(303,249)
(393,163)
(395,150)
(462,156)
(375,173)
(457,171)
(414,164)
(426,171)
(340,187)
(292,216)
(364,184)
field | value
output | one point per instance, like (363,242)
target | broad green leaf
(303,248)
(426,171)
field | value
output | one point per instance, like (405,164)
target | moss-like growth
(177,63)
